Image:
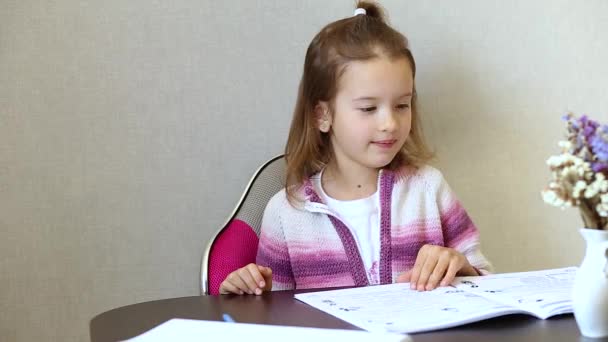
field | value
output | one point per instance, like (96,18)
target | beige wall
(128,129)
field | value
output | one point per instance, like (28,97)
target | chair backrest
(236,243)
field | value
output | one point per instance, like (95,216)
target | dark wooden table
(280,308)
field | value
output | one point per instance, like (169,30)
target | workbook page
(397,308)
(545,293)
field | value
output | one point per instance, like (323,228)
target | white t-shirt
(361,216)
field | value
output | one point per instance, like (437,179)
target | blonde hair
(357,38)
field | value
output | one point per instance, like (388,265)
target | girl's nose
(389,123)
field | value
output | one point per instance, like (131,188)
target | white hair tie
(359,11)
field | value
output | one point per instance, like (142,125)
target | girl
(360,206)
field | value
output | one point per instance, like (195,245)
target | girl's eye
(403,106)
(367,109)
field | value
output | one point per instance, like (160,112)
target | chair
(236,243)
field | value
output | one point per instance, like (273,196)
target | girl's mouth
(385,143)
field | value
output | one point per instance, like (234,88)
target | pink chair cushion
(235,247)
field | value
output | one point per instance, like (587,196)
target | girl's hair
(358,38)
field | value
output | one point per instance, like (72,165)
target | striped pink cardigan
(309,247)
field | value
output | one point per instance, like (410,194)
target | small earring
(324,126)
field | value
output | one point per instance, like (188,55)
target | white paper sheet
(185,330)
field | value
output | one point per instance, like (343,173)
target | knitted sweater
(309,247)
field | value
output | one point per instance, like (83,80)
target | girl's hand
(436,265)
(251,279)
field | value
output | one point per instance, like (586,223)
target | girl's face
(371,113)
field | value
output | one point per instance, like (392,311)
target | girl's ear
(323,116)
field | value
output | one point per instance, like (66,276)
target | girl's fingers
(453,269)
(256,274)
(227,288)
(415,275)
(404,277)
(437,274)
(248,278)
(236,280)
(266,272)
(425,272)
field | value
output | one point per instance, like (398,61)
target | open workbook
(397,308)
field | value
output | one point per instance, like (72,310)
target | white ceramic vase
(590,292)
